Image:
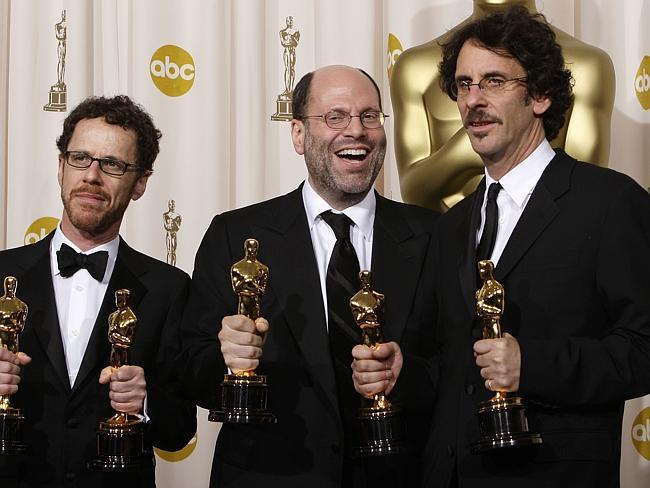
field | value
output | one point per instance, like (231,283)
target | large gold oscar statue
(436,163)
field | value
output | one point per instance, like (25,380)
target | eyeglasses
(113,167)
(490,85)
(336,119)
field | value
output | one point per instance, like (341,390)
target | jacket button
(470,389)
(70,476)
(72,423)
(477,333)
(450,450)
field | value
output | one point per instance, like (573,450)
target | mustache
(337,146)
(90,189)
(480,116)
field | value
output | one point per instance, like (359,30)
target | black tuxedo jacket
(305,447)
(60,421)
(576,273)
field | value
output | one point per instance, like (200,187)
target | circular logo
(39,229)
(641,433)
(642,83)
(174,457)
(394,50)
(172,70)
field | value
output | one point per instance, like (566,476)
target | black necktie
(71,261)
(486,244)
(341,283)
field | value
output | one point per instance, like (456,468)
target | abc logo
(394,50)
(172,70)
(39,229)
(641,433)
(642,83)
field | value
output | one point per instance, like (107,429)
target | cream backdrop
(220,149)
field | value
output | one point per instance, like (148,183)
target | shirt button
(75,332)
(79,288)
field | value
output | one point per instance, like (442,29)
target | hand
(10,364)
(128,388)
(500,362)
(375,370)
(241,341)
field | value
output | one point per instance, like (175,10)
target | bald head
(328,74)
(345,151)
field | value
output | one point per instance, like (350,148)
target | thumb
(105,375)
(23,358)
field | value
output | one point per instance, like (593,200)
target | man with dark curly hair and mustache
(569,242)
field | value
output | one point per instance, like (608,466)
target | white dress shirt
(322,235)
(78,299)
(517,186)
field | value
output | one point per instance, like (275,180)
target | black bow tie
(71,261)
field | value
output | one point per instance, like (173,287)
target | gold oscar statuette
(244,393)
(13,313)
(58,92)
(381,427)
(502,419)
(289,38)
(120,438)
(172,223)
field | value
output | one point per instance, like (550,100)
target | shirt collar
(521,180)
(59,238)
(362,214)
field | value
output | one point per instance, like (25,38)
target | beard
(323,173)
(89,218)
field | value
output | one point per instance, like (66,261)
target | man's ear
(541,104)
(140,185)
(61,166)
(298,135)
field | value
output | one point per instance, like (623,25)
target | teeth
(352,152)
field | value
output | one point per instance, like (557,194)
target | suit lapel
(297,290)
(538,214)
(396,265)
(35,288)
(125,273)
(466,238)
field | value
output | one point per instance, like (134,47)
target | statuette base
(382,431)
(120,448)
(503,423)
(243,401)
(11,435)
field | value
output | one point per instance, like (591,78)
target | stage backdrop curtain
(210,72)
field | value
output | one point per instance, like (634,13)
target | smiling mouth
(357,155)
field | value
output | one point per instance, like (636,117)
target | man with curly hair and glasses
(569,242)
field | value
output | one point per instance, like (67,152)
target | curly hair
(528,39)
(119,110)
(302,90)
